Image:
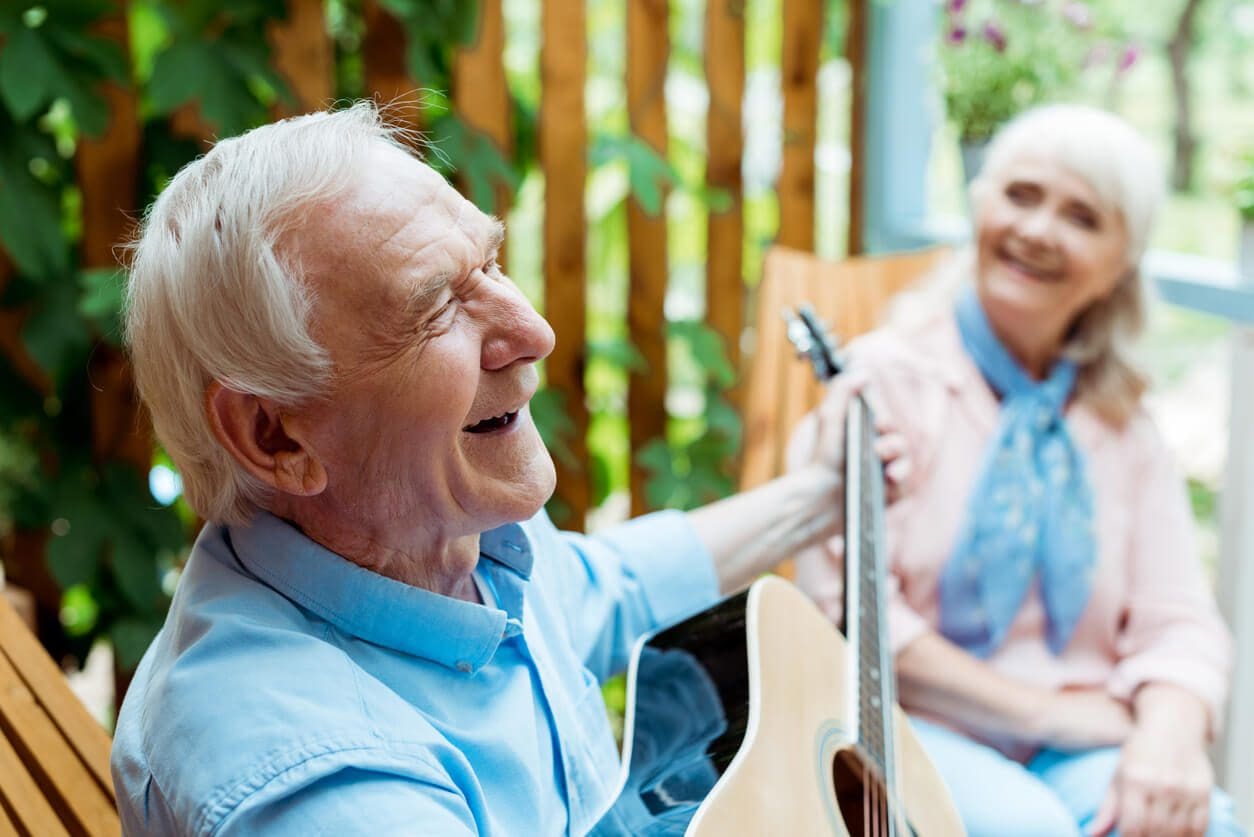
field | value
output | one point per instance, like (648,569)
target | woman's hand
(1163,783)
(1081,719)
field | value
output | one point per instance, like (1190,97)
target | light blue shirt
(293,692)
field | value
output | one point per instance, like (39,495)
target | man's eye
(441,314)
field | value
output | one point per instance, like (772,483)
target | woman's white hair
(1121,167)
(212,298)
(1119,164)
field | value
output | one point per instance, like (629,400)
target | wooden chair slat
(84,804)
(851,296)
(47,683)
(8,828)
(20,797)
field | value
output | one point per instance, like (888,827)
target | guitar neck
(872,690)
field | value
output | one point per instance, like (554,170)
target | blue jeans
(1056,794)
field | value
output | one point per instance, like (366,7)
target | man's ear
(263,441)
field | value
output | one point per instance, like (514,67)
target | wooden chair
(850,296)
(54,757)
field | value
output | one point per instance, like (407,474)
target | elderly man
(378,630)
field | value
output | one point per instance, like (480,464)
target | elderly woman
(1054,634)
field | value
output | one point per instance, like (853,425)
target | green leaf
(102,291)
(54,335)
(158,527)
(131,638)
(175,74)
(79,610)
(706,346)
(135,569)
(103,56)
(664,488)
(30,212)
(27,69)
(548,411)
(74,555)
(617,351)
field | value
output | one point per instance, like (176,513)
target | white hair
(1097,146)
(211,297)
(1119,164)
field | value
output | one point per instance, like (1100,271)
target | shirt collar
(454,633)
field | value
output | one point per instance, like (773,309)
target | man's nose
(517,333)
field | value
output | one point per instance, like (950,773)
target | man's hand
(1163,785)
(1081,719)
(829,434)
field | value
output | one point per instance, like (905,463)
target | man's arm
(749,533)
(353,801)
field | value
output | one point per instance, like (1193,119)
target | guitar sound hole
(860,795)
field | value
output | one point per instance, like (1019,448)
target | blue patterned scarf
(1031,509)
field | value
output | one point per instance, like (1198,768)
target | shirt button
(464,667)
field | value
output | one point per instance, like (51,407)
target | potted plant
(999,57)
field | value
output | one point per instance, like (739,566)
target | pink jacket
(1151,617)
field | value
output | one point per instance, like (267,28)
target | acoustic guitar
(756,717)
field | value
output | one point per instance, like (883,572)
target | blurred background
(645,154)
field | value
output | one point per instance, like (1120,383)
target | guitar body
(797,755)
(757,717)
(738,724)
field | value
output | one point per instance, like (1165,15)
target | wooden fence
(305,57)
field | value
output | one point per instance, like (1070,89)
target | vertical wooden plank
(799,66)
(648,46)
(480,93)
(856,49)
(725,74)
(383,56)
(107,169)
(304,57)
(563,140)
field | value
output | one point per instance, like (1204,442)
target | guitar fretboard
(864,594)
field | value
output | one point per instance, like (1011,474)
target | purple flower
(1078,15)
(994,35)
(1098,55)
(1131,53)
(957,35)
(956,6)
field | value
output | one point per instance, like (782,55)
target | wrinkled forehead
(396,208)
(396,233)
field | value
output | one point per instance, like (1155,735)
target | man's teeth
(494,423)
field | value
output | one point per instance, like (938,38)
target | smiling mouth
(1040,272)
(491,424)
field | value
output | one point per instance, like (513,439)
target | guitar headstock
(812,341)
